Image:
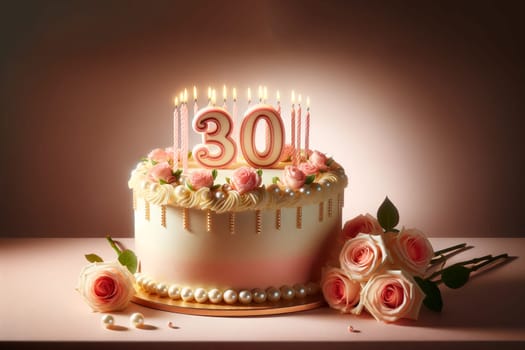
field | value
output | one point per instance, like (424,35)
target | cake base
(224,310)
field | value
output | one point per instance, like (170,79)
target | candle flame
(185,95)
(300,98)
(260,95)
(265,93)
(194,92)
(224,92)
(293,97)
(176,101)
(308,102)
(209,93)
(278,95)
(234,94)
(249,95)
(181,97)
(213,96)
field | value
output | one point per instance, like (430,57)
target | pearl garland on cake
(227,296)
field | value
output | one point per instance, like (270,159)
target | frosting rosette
(198,179)
(362,256)
(392,295)
(341,292)
(245,179)
(412,250)
(106,286)
(361,224)
(294,177)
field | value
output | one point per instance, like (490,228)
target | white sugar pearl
(107,320)
(273,294)
(259,295)
(215,296)
(287,293)
(200,295)
(137,319)
(174,292)
(245,297)
(230,296)
(186,294)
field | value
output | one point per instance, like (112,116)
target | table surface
(39,303)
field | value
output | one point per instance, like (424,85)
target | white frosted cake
(251,233)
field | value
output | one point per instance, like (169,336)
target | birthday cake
(232,225)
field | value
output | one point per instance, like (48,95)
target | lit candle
(278,98)
(307,127)
(298,132)
(234,110)
(195,106)
(213,97)
(176,122)
(224,95)
(184,132)
(292,121)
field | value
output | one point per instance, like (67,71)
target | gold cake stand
(252,309)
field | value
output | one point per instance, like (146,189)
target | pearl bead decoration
(245,297)
(228,296)
(107,321)
(174,292)
(137,320)
(215,296)
(186,294)
(200,295)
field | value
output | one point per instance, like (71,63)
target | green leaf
(190,187)
(387,215)
(433,299)
(92,258)
(259,172)
(154,162)
(309,179)
(275,180)
(455,276)
(214,187)
(227,179)
(214,173)
(163,182)
(128,259)
(144,159)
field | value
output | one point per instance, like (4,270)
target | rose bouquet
(388,272)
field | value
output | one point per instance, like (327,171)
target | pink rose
(200,178)
(293,177)
(340,292)
(412,250)
(319,160)
(159,155)
(308,168)
(392,295)
(106,286)
(161,172)
(362,256)
(245,179)
(361,224)
(287,154)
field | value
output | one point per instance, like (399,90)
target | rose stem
(113,245)
(449,249)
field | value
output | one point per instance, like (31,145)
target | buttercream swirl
(223,198)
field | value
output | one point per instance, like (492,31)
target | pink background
(419,100)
